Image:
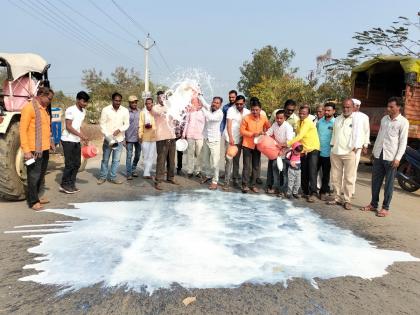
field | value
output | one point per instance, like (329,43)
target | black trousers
(251,169)
(309,172)
(324,163)
(36,173)
(179,155)
(165,154)
(72,162)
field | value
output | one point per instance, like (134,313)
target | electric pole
(146,48)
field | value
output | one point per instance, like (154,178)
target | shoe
(100,181)
(235,184)
(75,189)
(323,197)
(190,175)
(43,200)
(334,202)
(270,191)
(311,199)
(198,174)
(147,177)
(172,181)
(66,190)
(245,189)
(255,190)
(382,213)
(296,196)
(129,177)
(289,196)
(180,173)
(158,186)
(205,180)
(213,186)
(369,207)
(135,174)
(259,181)
(116,181)
(37,207)
(226,186)
(347,206)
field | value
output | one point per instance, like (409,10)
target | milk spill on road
(199,239)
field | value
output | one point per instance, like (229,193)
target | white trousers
(149,155)
(194,155)
(211,159)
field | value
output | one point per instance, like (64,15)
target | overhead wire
(87,34)
(33,11)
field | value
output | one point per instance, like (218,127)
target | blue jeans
(116,154)
(382,169)
(131,166)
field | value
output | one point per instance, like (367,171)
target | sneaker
(116,181)
(75,189)
(66,190)
(100,181)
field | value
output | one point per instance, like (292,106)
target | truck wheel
(12,169)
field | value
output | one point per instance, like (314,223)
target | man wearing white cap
(361,132)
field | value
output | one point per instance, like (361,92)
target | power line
(112,19)
(97,24)
(88,35)
(52,24)
(163,58)
(130,18)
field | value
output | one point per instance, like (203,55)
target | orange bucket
(89,151)
(231,151)
(268,146)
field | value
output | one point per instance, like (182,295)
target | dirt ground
(398,292)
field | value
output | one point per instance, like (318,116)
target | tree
(393,40)
(275,91)
(61,100)
(267,63)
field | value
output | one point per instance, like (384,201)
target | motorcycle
(408,174)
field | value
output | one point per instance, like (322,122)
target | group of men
(314,150)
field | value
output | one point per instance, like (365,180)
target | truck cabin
(376,80)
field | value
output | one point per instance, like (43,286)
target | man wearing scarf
(35,139)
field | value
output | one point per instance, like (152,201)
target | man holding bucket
(70,140)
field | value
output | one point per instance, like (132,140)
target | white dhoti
(149,155)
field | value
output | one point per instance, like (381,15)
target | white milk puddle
(200,240)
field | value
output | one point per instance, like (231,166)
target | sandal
(43,200)
(37,207)
(255,190)
(383,213)
(213,186)
(369,207)
(334,203)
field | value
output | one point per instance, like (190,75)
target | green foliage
(274,92)
(61,100)
(124,81)
(267,63)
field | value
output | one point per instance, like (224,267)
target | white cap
(356,102)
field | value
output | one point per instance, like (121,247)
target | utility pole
(146,48)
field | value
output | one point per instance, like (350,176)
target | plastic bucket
(181,144)
(89,151)
(231,151)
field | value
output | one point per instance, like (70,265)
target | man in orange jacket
(253,125)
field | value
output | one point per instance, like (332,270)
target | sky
(213,36)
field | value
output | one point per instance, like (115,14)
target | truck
(23,75)
(376,80)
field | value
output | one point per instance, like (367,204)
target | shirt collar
(396,118)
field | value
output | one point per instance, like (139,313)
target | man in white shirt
(114,121)
(388,150)
(70,140)
(211,146)
(343,156)
(282,132)
(233,136)
(361,130)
